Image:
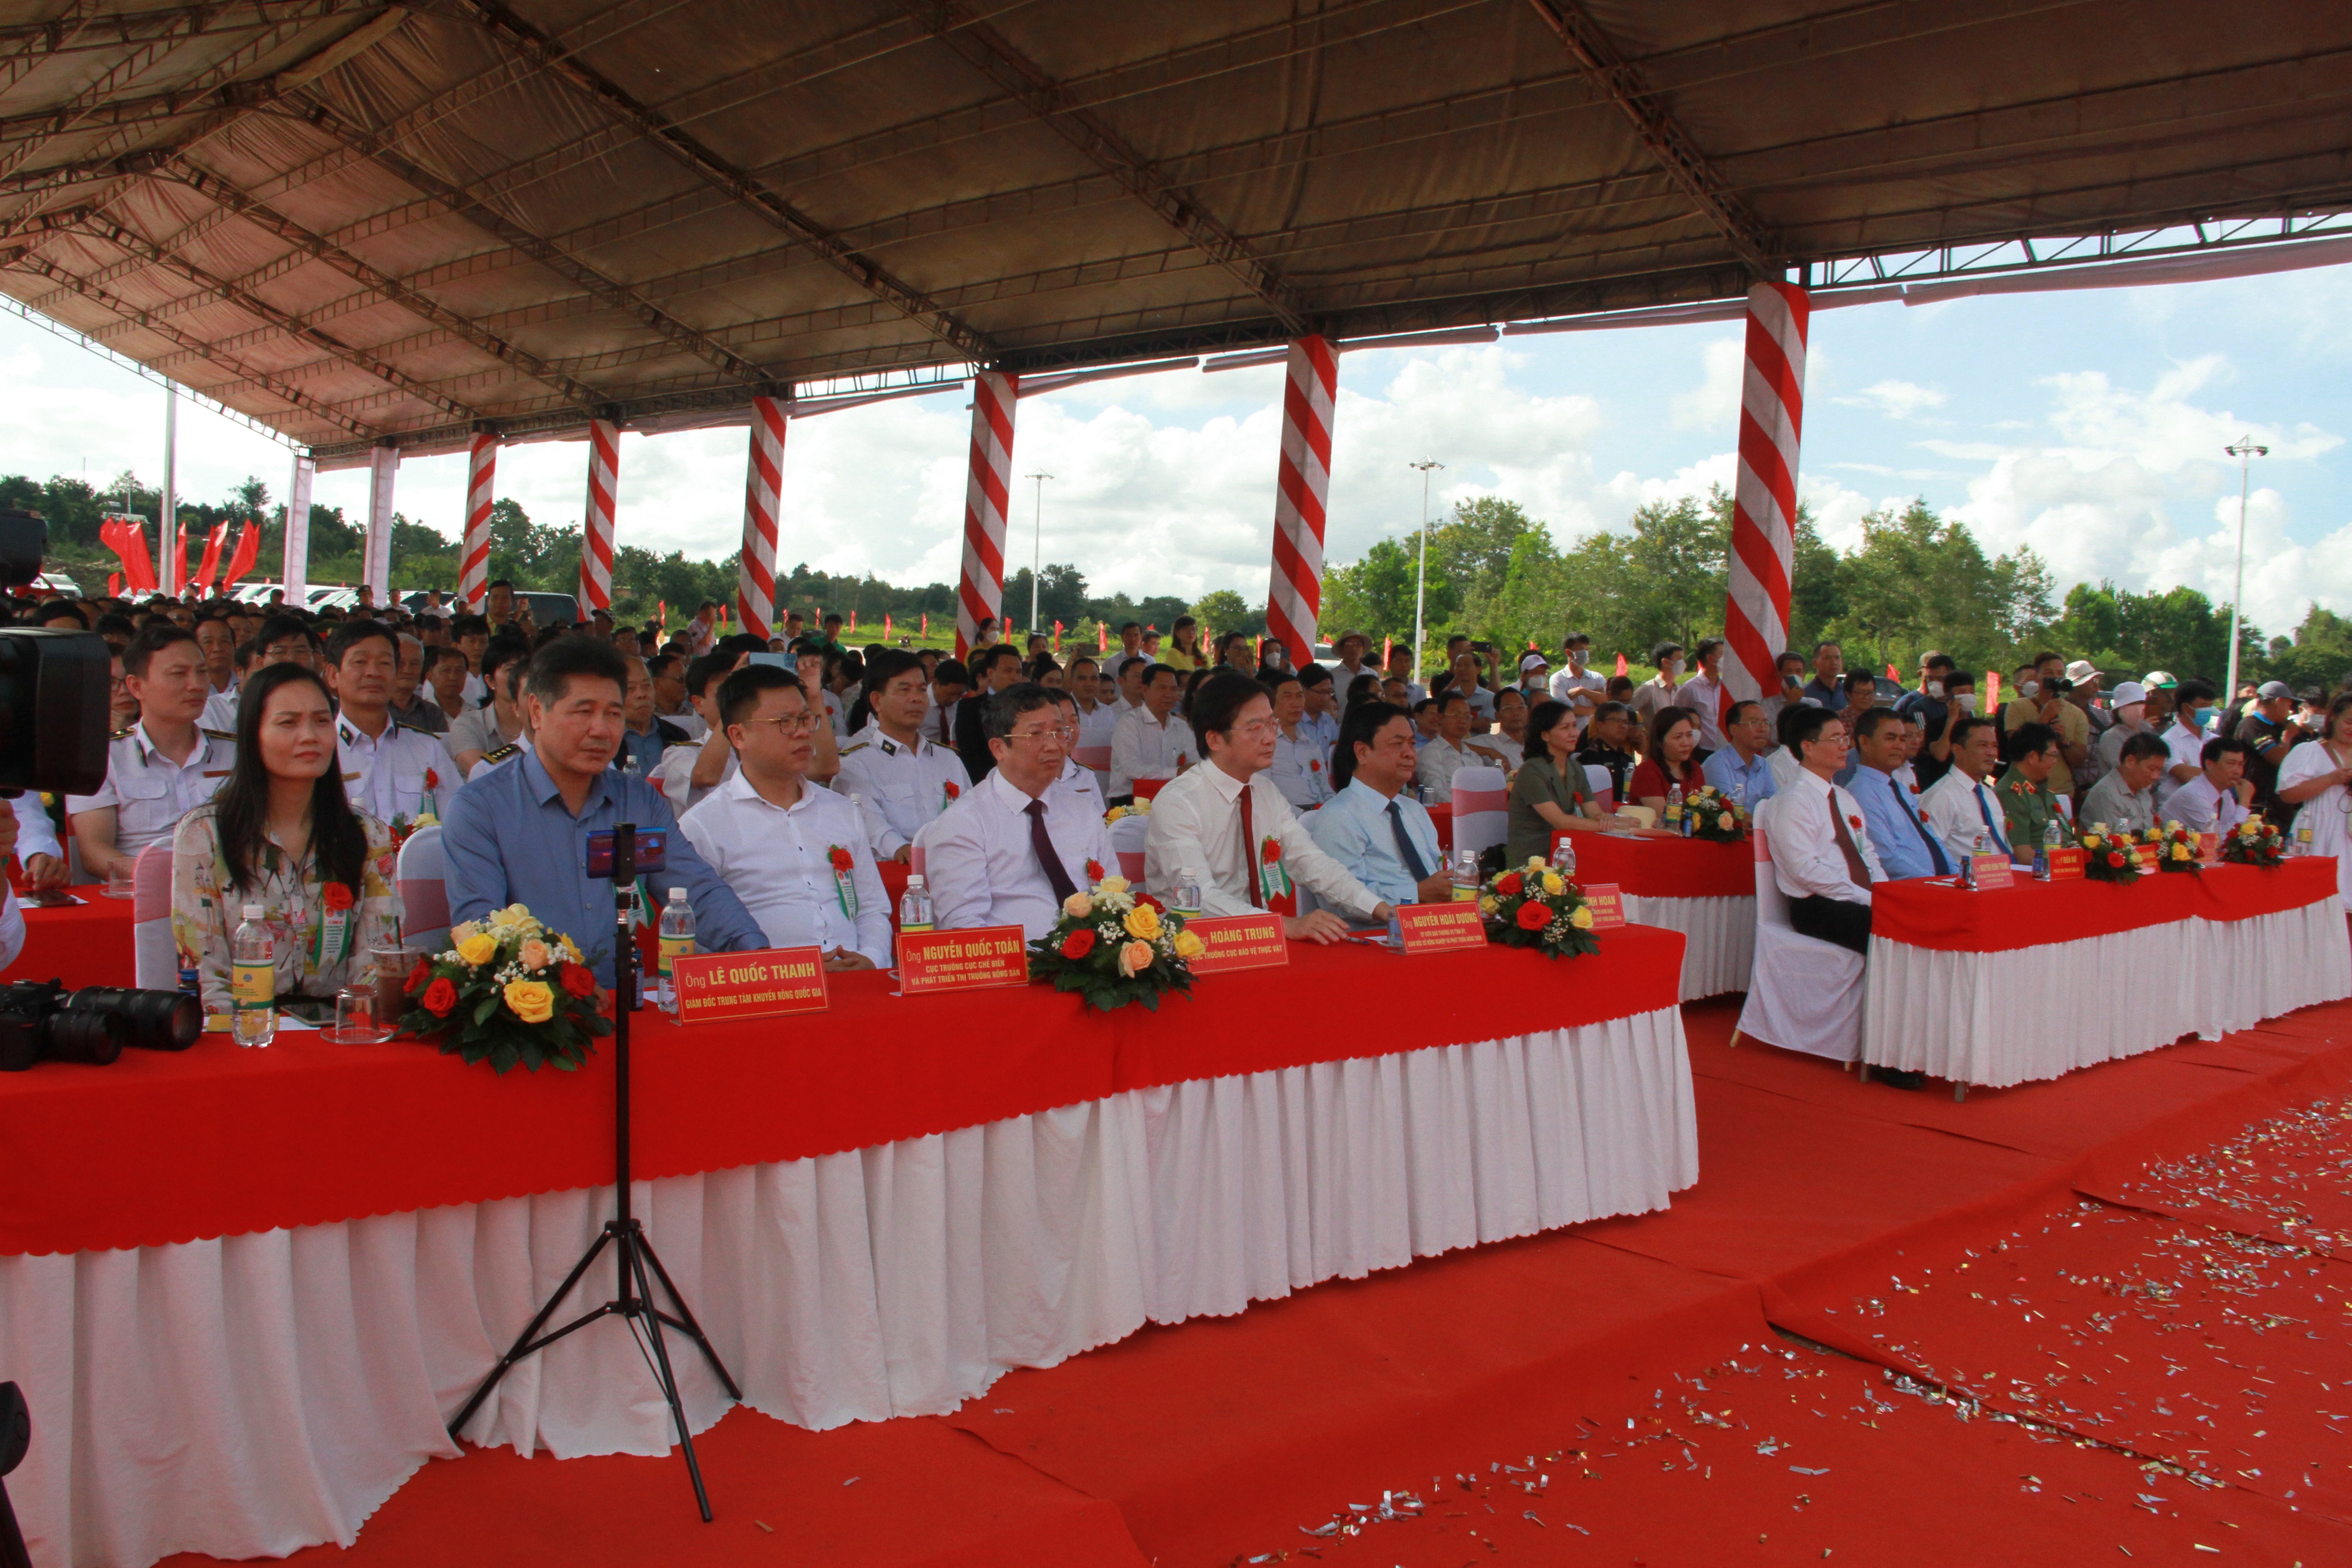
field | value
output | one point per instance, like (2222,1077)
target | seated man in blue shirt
(1740,770)
(1906,845)
(1382,836)
(519,835)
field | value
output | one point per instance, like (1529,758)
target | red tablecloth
(1932,913)
(221,1140)
(1666,868)
(83,945)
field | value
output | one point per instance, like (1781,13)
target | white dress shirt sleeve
(36,834)
(12,929)
(1303,858)
(955,865)
(1190,837)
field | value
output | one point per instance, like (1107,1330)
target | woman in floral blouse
(280,833)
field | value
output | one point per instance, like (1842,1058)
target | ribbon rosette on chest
(947,793)
(836,858)
(335,923)
(1273,881)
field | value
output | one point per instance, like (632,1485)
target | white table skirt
(1719,949)
(2002,1018)
(248,1397)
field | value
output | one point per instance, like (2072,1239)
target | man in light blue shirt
(1383,836)
(1906,847)
(519,835)
(1740,770)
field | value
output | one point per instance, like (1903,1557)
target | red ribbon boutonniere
(431,779)
(838,857)
(1855,821)
(843,888)
(1094,871)
(1313,766)
(335,896)
(952,790)
(1269,852)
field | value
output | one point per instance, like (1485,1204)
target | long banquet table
(244,1289)
(87,944)
(1999,987)
(1705,890)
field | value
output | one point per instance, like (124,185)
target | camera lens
(71,1037)
(151,1020)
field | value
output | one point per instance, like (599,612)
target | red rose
(953,792)
(1094,871)
(439,997)
(2114,857)
(1078,943)
(416,976)
(335,896)
(1510,883)
(431,779)
(579,980)
(839,857)
(1533,916)
(1271,851)
(1855,821)
(1146,899)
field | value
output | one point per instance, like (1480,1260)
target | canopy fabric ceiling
(358,222)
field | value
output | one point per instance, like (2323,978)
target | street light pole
(1036,545)
(2245,451)
(1421,577)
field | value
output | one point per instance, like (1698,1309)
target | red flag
(211,566)
(1102,637)
(114,584)
(885,626)
(1388,646)
(241,559)
(927,622)
(1057,636)
(1892,676)
(128,540)
(853,619)
(1622,669)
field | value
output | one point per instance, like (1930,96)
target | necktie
(1048,858)
(1415,866)
(1249,852)
(1933,848)
(1853,865)
(1977,791)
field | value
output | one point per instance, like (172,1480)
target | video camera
(41,1021)
(53,685)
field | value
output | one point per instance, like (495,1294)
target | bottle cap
(915,879)
(252,912)
(677,895)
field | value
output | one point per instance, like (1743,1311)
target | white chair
(1481,820)
(1601,786)
(1803,994)
(154,956)
(424,894)
(1127,843)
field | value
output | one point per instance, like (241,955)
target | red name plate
(1607,904)
(962,960)
(1440,928)
(1994,871)
(2066,865)
(712,985)
(1239,941)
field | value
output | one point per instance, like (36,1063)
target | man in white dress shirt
(2216,800)
(901,779)
(1703,693)
(1019,842)
(1149,743)
(1583,689)
(1078,785)
(1821,854)
(1445,755)
(390,771)
(1212,826)
(770,833)
(1960,805)
(2185,736)
(160,768)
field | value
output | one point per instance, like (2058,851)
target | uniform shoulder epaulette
(123,733)
(216,734)
(859,747)
(501,753)
(413,729)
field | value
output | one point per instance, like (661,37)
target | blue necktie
(1414,865)
(1943,866)
(1977,791)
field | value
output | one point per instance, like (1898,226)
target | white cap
(252,912)
(1534,661)
(677,895)
(915,879)
(2128,693)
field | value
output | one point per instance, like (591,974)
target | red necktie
(1854,864)
(1249,852)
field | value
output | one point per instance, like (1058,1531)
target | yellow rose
(1724,822)
(1551,882)
(1489,903)
(1189,947)
(537,954)
(1581,918)
(2180,852)
(1111,885)
(2091,841)
(1535,862)
(1142,922)
(531,999)
(509,918)
(571,950)
(1135,958)
(1077,906)
(479,948)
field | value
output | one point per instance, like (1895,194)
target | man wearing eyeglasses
(1019,842)
(771,834)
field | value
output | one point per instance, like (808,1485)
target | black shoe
(1895,1078)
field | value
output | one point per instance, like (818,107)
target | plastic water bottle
(1675,817)
(629,768)
(915,905)
(677,939)
(2042,850)
(1969,866)
(253,980)
(1465,875)
(2303,838)
(191,976)
(1188,900)
(1563,859)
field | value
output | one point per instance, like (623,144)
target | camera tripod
(638,1266)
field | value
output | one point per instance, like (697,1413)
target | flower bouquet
(1714,816)
(2111,856)
(1114,946)
(508,992)
(2253,842)
(1535,905)
(1135,808)
(2175,847)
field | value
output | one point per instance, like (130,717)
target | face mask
(1966,703)
(2199,717)
(2029,688)
(1935,688)
(1674,668)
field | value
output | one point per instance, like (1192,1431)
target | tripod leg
(522,1346)
(631,1258)
(685,1317)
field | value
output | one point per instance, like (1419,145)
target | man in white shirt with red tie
(1215,826)
(1821,848)
(1015,847)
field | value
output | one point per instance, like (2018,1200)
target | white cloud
(1896,399)
(1714,402)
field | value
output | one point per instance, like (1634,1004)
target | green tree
(2318,653)
(1919,582)
(1223,610)
(1374,595)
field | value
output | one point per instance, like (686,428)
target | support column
(979,592)
(764,486)
(1294,596)
(296,567)
(474,553)
(596,534)
(1764,503)
(375,565)
(167,507)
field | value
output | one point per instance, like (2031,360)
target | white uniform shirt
(220,712)
(1077,786)
(1301,769)
(2198,807)
(676,775)
(397,773)
(1142,747)
(778,860)
(901,787)
(1094,731)
(1957,807)
(1806,858)
(150,793)
(1439,762)
(498,757)
(2188,749)
(1195,837)
(982,862)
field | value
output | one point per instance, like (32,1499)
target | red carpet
(1221,1441)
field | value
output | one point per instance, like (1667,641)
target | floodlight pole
(167,510)
(2245,451)
(1420,576)
(1036,545)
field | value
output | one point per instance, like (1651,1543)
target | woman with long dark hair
(1674,760)
(1183,653)
(1549,794)
(281,833)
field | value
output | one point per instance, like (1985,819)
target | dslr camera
(41,1021)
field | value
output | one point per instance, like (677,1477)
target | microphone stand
(638,1266)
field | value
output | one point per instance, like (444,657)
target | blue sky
(2087,424)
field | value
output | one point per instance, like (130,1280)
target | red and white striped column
(979,595)
(764,486)
(1764,499)
(474,555)
(1304,481)
(596,537)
